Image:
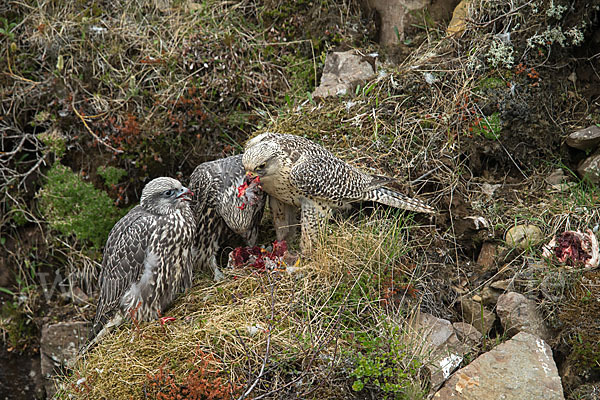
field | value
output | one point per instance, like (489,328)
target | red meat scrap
(247,188)
(260,258)
(574,248)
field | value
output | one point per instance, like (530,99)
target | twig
(425,175)
(509,13)
(114,150)
(245,350)
(13,75)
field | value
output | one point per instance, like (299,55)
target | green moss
(111,175)
(302,74)
(488,127)
(18,216)
(490,83)
(74,207)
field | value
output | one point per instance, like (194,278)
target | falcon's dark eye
(262,166)
(169,193)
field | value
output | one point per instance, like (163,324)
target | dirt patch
(20,376)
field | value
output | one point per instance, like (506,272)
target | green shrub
(16,325)
(74,207)
(111,175)
(386,364)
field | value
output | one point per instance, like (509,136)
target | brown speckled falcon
(298,173)
(218,210)
(148,257)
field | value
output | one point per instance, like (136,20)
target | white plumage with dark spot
(298,173)
(148,257)
(218,210)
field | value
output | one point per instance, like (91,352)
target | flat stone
(589,169)
(519,314)
(77,296)
(584,139)
(557,177)
(477,315)
(441,350)
(59,345)
(343,71)
(490,293)
(397,18)
(523,236)
(521,368)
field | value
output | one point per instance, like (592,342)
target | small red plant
(203,382)
(519,69)
(394,290)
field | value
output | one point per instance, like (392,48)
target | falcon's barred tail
(378,181)
(99,329)
(394,199)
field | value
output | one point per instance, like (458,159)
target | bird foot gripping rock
(248,189)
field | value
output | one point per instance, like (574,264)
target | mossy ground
(153,90)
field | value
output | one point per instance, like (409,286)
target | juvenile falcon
(218,210)
(147,259)
(298,173)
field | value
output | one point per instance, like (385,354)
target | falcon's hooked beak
(186,194)
(251,177)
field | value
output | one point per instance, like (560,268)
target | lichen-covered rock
(521,368)
(585,139)
(343,71)
(523,236)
